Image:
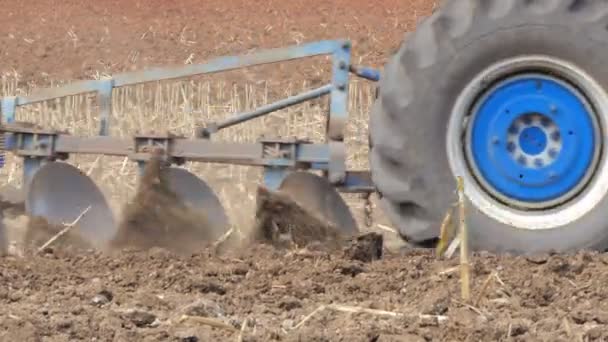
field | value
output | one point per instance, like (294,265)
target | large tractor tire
(510,95)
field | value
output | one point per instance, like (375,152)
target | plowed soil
(260,292)
(137,296)
(58,40)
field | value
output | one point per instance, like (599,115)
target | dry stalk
(243,327)
(464,245)
(223,238)
(484,287)
(386,228)
(449,270)
(309,316)
(452,247)
(446,232)
(357,309)
(63,231)
(216,323)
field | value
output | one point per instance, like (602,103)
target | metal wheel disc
(525,135)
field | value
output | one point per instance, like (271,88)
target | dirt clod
(102,298)
(204,308)
(366,248)
(140,318)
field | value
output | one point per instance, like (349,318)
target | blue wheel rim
(532,139)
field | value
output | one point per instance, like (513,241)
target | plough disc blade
(197,194)
(60,193)
(318,196)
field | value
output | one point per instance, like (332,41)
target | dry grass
(180,106)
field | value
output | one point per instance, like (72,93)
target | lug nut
(552,153)
(553,108)
(555,136)
(538,162)
(522,160)
(511,147)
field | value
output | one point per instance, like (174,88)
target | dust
(39,231)
(10,208)
(157,217)
(283,223)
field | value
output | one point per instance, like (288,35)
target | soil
(143,296)
(357,291)
(47,40)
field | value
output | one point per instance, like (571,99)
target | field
(256,292)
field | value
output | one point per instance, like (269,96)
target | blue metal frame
(330,157)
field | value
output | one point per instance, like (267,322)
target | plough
(510,95)
(58,191)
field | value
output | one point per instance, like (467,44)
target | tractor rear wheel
(510,95)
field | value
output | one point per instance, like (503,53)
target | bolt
(555,136)
(522,160)
(552,153)
(527,119)
(545,122)
(342,65)
(538,162)
(513,129)
(511,147)
(341,87)
(553,108)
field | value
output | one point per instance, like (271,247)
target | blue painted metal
(104,97)
(358,182)
(273,177)
(338,113)
(366,73)
(8,107)
(533,138)
(267,109)
(74,88)
(323,47)
(30,166)
(160,74)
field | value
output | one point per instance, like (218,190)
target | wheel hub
(531,141)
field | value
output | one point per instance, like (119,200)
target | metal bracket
(145,145)
(277,152)
(28,140)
